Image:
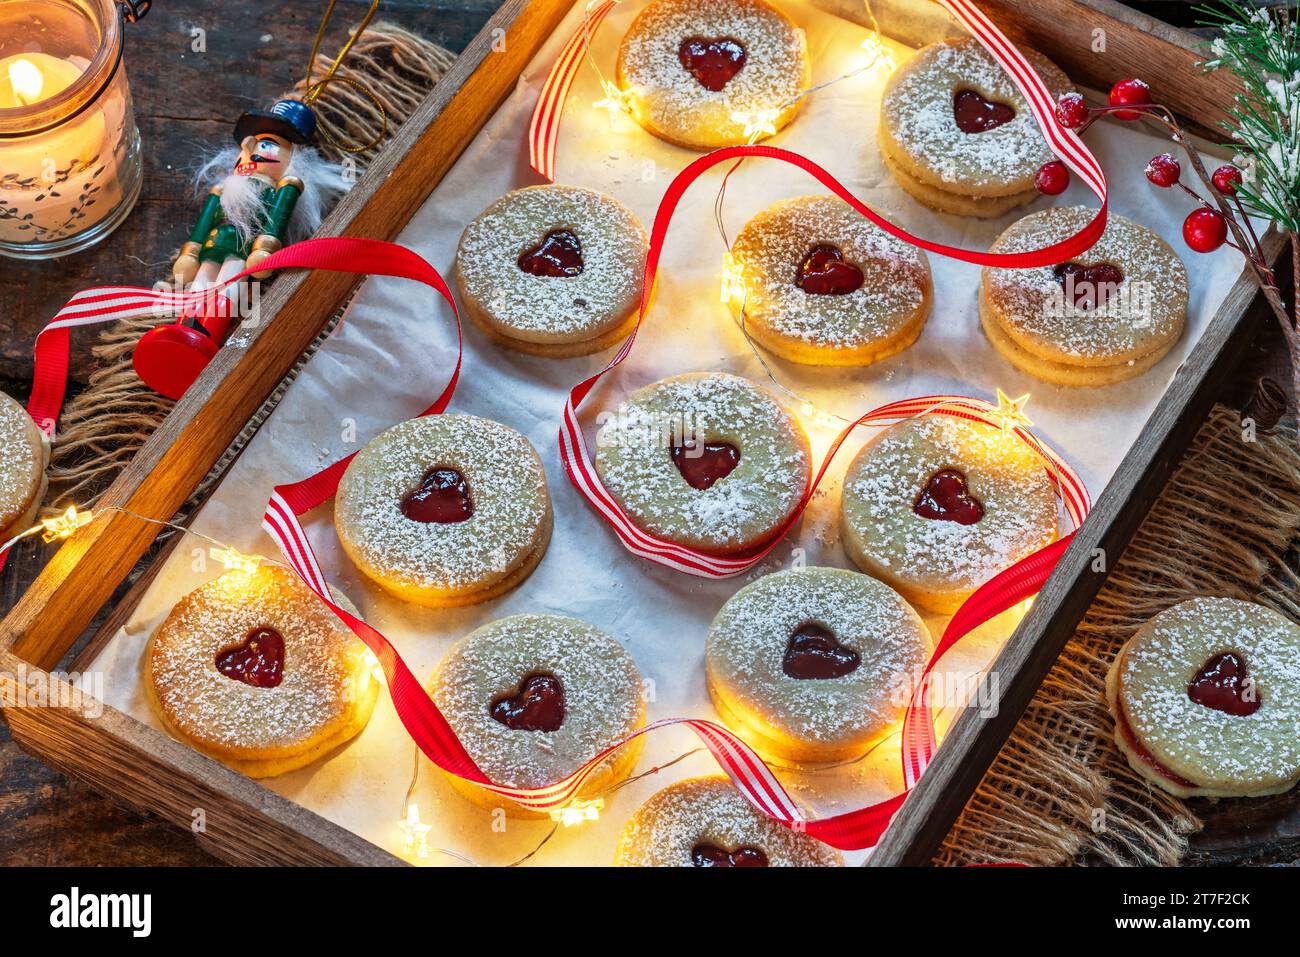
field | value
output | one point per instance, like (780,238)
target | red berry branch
(1218,213)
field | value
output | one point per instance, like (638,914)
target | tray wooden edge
(975,737)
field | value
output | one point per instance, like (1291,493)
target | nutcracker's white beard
(241,196)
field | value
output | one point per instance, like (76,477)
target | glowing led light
(61,526)
(757,124)
(878,55)
(733,281)
(1010,412)
(616,101)
(578,812)
(234,560)
(416,831)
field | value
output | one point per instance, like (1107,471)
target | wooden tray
(244,822)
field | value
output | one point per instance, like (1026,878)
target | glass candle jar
(70,164)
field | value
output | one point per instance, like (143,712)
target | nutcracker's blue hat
(291,119)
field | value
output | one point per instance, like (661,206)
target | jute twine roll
(104,426)
(1060,791)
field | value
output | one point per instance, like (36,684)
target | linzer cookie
(445,510)
(24,453)
(1206,699)
(1106,316)
(256,671)
(957,134)
(533,698)
(935,506)
(706,822)
(707,460)
(695,69)
(553,270)
(826,286)
(814,664)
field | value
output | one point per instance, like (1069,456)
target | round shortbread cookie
(445,510)
(254,670)
(826,286)
(706,822)
(707,460)
(678,64)
(24,454)
(935,506)
(553,270)
(1206,699)
(533,698)
(814,664)
(955,204)
(953,121)
(1108,315)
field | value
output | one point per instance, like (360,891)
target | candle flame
(26,79)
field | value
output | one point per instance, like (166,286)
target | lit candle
(69,150)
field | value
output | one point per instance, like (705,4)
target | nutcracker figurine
(269,191)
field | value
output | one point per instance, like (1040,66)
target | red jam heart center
(824,272)
(442,496)
(259,661)
(1221,684)
(538,705)
(974,114)
(947,498)
(1088,286)
(702,464)
(710,855)
(712,61)
(558,254)
(814,652)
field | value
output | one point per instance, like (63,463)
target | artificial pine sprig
(1262,49)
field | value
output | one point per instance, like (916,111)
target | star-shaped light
(733,281)
(235,560)
(61,526)
(615,100)
(878,55)
(757,124)
(416,831)
(577,812)
(1010,413)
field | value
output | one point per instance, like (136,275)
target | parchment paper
(395,349)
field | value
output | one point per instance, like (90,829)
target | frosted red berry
(1163,170)
(1130,92)
(1052,178)
(1205,230)
(1071,111)
(1226,179)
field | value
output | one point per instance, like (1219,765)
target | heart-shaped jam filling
(712,61)
(558,254)
(1088,286)
(442,496)
(974,114)
(537,705)
(259,661)
(946,497)
(814,652)
(1221,684)
(710,855)
(702,464)
(824,272)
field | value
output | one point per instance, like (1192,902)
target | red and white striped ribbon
(544,130)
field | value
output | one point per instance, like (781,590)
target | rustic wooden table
(185,103)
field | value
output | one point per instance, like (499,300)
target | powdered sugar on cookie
(634,460)
(602,695)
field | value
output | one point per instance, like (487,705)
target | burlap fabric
(1060,791)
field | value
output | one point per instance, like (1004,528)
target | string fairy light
(578,812)
(1011,412)
(616,101)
